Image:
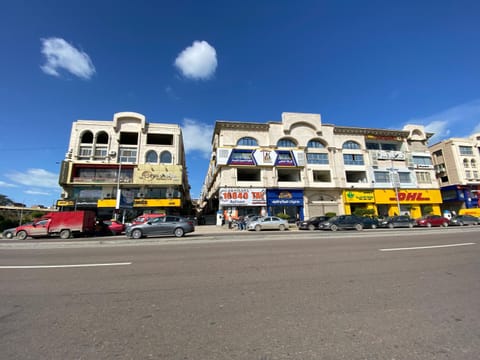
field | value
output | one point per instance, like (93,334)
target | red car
(432,220)
(115,227)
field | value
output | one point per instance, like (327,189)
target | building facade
(303,168)
(456,162)
(125,165)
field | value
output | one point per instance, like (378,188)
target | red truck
(65,224)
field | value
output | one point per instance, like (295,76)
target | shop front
(236,202)
(285,201)
(413,202)
(456,197)
(359,200)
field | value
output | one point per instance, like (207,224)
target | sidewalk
(212,229)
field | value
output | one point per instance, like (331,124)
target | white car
(268,223)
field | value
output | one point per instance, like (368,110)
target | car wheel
(374,226)
(137,234)
(311,227)
(429,225)
(334,227)
(9,235)
(281,227)
(390,225)
(179,232)
(65,234)
(445,224)
(22,235)
(410,225)
(461,223)
(258,228)
(358,227)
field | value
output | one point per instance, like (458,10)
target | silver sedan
(268,223)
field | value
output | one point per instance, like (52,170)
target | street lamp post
(117,203)
(394,176)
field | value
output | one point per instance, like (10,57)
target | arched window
(351,145)
(473,163)
(465,163)
(102,137)
(151,157)
(247,141)
(315,144)
(286,143)
(87,138)
(165,157)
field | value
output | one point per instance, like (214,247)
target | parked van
(65,224)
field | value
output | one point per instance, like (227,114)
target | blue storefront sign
(278,197)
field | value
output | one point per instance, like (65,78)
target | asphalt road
(294,295)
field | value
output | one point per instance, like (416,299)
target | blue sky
(357,63)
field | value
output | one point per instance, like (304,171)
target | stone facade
(334,169)
(124,164)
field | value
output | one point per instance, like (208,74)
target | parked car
(346,222)
(397,221)
(144,218)
(268,223)
(464,220)
(164,225)
(8,233)
(312,223)
(114,227)
(432,220)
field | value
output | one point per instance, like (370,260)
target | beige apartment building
(302,167)
(456,162)
(125,165)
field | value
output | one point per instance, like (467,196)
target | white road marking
(427,247)
(62,266)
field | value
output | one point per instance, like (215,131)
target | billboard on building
(146,174)
(242,197)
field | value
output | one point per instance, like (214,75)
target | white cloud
(458,121)
(59,54)
(5,184)
(197,137)
(34,192)
(198,61)
(38,178)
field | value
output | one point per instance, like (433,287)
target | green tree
(4,200)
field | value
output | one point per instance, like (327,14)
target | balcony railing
(123,180)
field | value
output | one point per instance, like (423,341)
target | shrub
(283,216)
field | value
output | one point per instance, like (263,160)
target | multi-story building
(302,167)
(126,164)
(456,162)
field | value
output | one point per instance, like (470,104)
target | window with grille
(128,155)
(466,150)
(247,141)
(353,159)
(286,143)
(423,177)
(352,145)
(316,158)
(85,151)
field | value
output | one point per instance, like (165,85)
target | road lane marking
(62,266)
(427,247)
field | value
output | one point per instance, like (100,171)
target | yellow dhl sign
(416,196)
(110,203)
